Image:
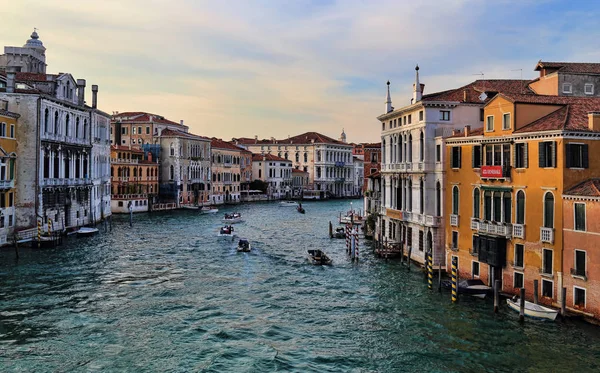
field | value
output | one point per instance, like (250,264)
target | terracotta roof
(589,188)
(268,157)
(34,77)
(125,148)
(571,116)
(475,132)
(476,88)
(570,67)
(142,117)
(305,138)
(220,144)
(175,133)
(297,171)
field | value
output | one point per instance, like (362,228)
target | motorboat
(244,245)
(87,231)
(288,204)
(300,209)
(474,287)
(352,217)
(233,218)
(209,210)
(318,257)
(532,309)
(340,232)
(226,231)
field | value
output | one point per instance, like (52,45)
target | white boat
(226,231)
(244,245)
(209,210)
(533,310)
(190,207)
(288,204)
(86,231)
(232,218)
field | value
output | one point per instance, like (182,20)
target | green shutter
(525,155)
(542,155)
(553,153)
(12,169)
(585,156)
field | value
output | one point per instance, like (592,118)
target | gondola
(318,257)
(474,287)
(244,245)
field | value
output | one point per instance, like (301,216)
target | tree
(259,185)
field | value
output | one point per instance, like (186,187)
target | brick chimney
(94,96)
(80,92)
(467,131)
(465,95)
(594,121)
(455,132)
(11,77)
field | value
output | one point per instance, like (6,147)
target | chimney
(455,132)
(11,77)
(81,92)
(94,96)
(181,122)
(422,88)
(465,95)
(467,131)
(594,121)
(151,118)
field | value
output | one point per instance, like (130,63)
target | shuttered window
(580,216)
(547,154)
(549,210)
(577,155)
(476,156)
(476,203)
(520,155)
(456,153)
(520,207)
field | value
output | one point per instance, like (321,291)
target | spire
(417,89)
(343,136)
(388,100)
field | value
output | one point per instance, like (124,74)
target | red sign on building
(491,171)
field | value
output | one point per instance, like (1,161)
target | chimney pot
(465,95)
(94,96)
(594,121)
(81,92)
(181,122)
(467,131)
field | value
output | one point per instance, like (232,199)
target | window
(481,114)
(567,88)
(579,269)
(518,280)
(547,257)
(579,297)
(519,255)
(476,203)
(456,150)
(409,118)
(487,205)
(476,156)
(579,217)
(12,131)
(548,210)
(421,115)
(133,131)
(475,269)
(588,89)
(497,201)
(455,200)
(140,130)
(476,245)
(420,240)
(547,288)
(497,155)
(438,199)
(547,154)
(520,207)
(521,155)
(383,126)
(507,204)
(454,240)
(438,153)
(506,121)
(490,123)
(445,115)
(577,155)
(421,197)
(147,130)
(421,147)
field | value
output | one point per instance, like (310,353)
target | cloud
(240,68)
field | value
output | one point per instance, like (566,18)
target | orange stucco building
(505,182)
(134,179)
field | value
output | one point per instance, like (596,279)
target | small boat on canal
(236,217)
(533,310)
(352,217)
(86,231)
(244,245)
(300,209)
(226,231)
(288,204)
(209,210)
(340,232)
(474,287)
(318,257)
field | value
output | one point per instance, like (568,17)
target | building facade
(226,172)
(371,155)
(134,180)
(8,158)
(300,181)
(137,128)
(276,172)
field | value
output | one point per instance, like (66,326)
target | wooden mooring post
(522,305)
(535,291)
(563,303)
(408,259)
(496,295)
(330,230)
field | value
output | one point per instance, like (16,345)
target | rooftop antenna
(483,96)
(521,70)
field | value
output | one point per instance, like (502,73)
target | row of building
(499,175)
(65,163)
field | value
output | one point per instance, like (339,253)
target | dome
(34,42)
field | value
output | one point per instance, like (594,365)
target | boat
(340,232)
(352,217)
(300,209)
(233,218)
(244,245)
(87,231)
(474,287)
(318,257)
(288,204)
(532,309)
(226,231)
(209,210)
(190,207)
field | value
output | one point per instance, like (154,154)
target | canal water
(168,295)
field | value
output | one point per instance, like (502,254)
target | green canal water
(168,295)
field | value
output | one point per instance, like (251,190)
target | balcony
(421,166)
(579,273)
(489,227)
(227,164)
(7,184)
(339,164)
(340,179)
(433,221)
(518,230)
(547,234)
(474,224)
(454,220)
(124,160)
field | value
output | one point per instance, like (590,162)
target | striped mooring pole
(39,223)
(454,279)
(348,248)
(356,252)
(429,271)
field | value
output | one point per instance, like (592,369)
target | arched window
(438,199)
(421,147)
(297,157)
(506,204)
(476,203)
(548,210)
(147,172)
(318,156)
(410,148)
(455,200)
(134,172)
(286,155)
(172,151)
(487,205)
(383,160)
(46,119)
(56,122)
(421,197)
(77,127)
(67,125)
(305,157)
(410,192)
(171,172)
(520,207)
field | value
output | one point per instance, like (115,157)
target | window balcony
(518,230)
(227,164)
(474,224)
(7,184)
(547,234)
(489,227)
(433,221)
(516,265)
(421,166)
(579,273)
(454,220)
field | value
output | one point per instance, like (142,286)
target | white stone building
(358,175)
(412,159)
(276,172)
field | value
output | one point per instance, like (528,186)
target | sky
(280,68)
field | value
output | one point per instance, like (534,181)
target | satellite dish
(483,97)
